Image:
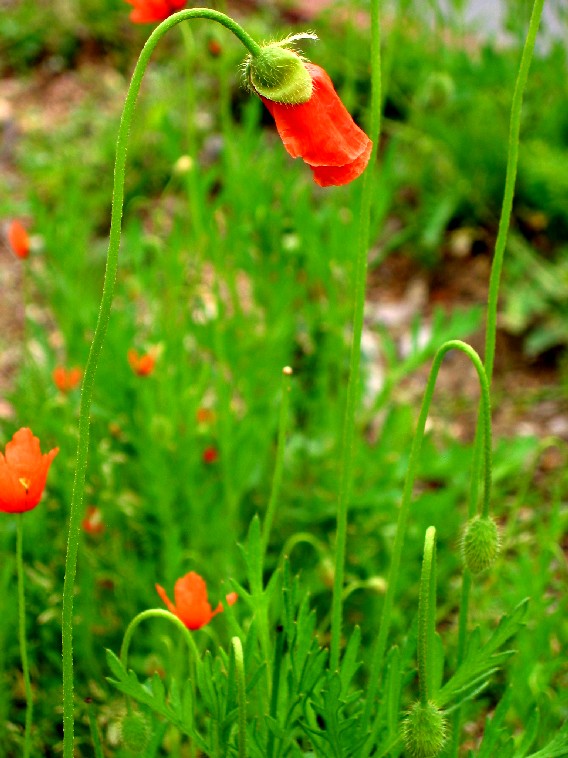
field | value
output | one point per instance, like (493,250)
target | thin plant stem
(99,336)
(156,613)
(510,179)
(241,695)
(385,622)
(493,297)
(427,616)
(22,635)
(279,465)
(348,437)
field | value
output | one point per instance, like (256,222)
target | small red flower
(322,132)
(142,365)
(151,11)
(192,606)
(18,239)
(66,379)
(93,522)
(23,472)
(210,455)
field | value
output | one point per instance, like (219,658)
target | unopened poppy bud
(480,543)
(279,74)
(136,732)
(424,730)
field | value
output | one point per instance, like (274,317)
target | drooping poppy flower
(152,11)
(191,604)
(322,132)
(142,365)
(23,472)
(18,239)
(210,455)
(66,379)
(93,522)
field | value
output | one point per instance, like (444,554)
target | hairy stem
(22,636)
(99,336)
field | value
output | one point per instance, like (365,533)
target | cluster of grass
(234,265)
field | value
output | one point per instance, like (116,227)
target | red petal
(327,176)
(320,131)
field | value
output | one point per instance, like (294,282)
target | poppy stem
(22,635)
(100,334)
(241,695)
(427,617)
(346,465)
(154,613)
(394,569)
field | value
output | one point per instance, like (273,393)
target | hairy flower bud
(480,544)
(136,732)
(424,730)
(279,74)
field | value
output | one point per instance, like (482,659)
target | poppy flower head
(18,239)
(23,472)
(152,11)
(322,132)
(66,379)
(142,365)
(191,605)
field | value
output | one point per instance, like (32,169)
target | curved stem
(22,636)
(380,645)
(346,471)
(155,613)
(99,336)
(241,695)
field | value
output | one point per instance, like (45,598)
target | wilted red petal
(322,132)
(23,472)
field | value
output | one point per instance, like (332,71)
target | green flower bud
(278,73)
(480,544)
(424,730)
(136,732)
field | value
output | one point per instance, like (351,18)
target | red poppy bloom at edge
(322,132)
(191,604)
(23,472)
(151,11)
(18,239)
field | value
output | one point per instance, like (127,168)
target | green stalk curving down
(99,337)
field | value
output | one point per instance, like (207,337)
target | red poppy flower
(66,379)
(142,365)
(93,522)
(322,132)
(18,239)
(23,472)
(150,11)
(192,606)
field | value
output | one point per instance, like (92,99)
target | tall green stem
(346,470)
(22,635)
(385,623)
(427,616)
(241,695)
(493,297)
(510,179)
(99,336)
